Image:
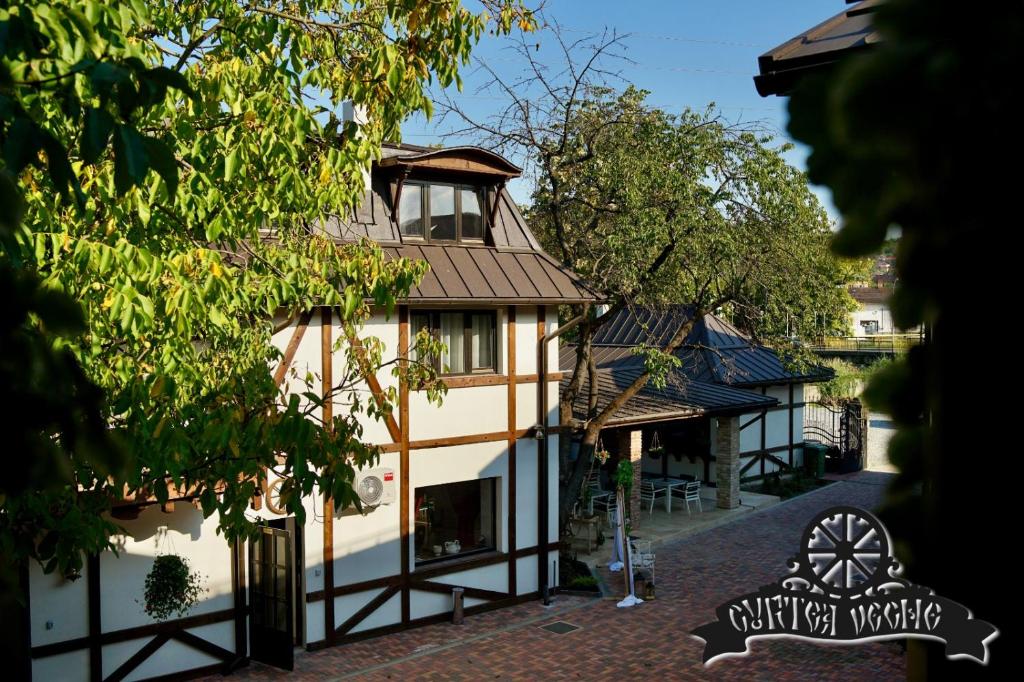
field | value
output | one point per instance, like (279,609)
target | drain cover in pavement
(560,627)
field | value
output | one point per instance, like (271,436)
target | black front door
(271,634)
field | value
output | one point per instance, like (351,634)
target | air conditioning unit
(375,486)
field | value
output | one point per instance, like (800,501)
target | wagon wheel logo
(845,551)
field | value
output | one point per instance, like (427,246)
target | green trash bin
(814,459)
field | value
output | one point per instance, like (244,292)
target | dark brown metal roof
(816,49)
(715,351)
(474,274)
(679,399)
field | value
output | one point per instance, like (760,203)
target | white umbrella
(621,557)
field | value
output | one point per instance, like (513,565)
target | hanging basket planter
(172,587)
(657,449)
(600,453)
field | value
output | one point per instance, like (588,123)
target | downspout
(542,440)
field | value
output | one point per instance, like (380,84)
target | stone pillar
(630,444)
(727,462)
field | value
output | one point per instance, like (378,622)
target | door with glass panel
(271,626)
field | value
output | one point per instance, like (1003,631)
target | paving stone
(694,575)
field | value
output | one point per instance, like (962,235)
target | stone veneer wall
(727,461)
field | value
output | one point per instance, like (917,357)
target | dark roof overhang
(816,50)
(473,160)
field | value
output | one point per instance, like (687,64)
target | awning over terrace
(681,398)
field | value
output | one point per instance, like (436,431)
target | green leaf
(169,78)
(59,168)
(83,25)
(24,139)
(395,74)
(105,76)
(161,158)
(96,133)
(130,159)
(351,301)
(230,164)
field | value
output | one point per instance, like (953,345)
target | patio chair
(648,494)
(642,557)
(605,504)
(691,493)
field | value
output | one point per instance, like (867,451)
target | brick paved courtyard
(694,575)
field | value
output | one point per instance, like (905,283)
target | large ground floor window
(454,519)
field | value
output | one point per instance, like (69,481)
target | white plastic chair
(641,556)
(648,494)
(692,494)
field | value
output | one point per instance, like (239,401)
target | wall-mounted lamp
(538,432)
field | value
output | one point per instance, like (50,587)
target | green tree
(165,166)
(654,208)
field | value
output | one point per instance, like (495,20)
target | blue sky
(686,52)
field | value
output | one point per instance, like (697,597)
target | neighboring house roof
(871,294)
(509,267)
(713,351)
(678,400)
(816,49)
(718,364)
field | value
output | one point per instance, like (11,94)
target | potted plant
(601,453)
(172,587)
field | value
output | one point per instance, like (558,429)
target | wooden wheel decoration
(845,550)
(272,497)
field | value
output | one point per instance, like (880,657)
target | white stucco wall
(872,312)
(366,546)
(64,604)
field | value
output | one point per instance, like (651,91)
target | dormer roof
(471,160)
(509,266)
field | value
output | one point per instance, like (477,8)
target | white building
(732,411)
(872,315)
(469,489)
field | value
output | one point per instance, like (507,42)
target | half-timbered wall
(95,627)
(774,436)
(359,579)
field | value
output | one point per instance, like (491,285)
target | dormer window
(441,212)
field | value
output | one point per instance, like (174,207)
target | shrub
(583,582)
(844,385)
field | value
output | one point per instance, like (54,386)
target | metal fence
(878,343)
(840,427)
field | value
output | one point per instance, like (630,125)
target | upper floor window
(441,212)
(470,337)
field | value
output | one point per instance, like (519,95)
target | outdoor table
(666,484)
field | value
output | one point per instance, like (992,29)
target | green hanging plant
(172,587)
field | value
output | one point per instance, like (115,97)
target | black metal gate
(271,631)
(840,427)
